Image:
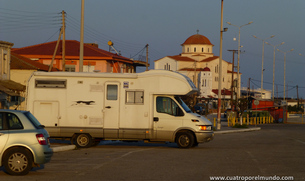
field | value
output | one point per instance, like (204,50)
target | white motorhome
(89,107)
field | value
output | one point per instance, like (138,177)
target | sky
(166,24)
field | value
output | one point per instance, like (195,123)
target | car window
(33,120)
(14,122)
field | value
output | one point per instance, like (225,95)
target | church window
(167,67)
(188,49)
(202,50)
(195,49)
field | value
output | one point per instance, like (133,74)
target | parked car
(24,142)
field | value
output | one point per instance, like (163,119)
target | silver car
(24,142)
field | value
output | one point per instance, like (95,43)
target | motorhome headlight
(205,127)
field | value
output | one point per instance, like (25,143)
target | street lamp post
(284,68)
(238,55)
(262,76)
(220,71)
(273,66)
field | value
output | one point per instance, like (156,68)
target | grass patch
(240,126)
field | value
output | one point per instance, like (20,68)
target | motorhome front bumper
(204,136)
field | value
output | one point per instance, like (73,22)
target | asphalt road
(275,150)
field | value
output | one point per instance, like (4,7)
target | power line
(275,84)
(22,21)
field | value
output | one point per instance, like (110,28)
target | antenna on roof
(110,43)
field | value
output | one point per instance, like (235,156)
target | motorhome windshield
(184,106)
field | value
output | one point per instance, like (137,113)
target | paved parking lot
(275,150)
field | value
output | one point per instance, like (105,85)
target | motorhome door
(167,117)
(111,108)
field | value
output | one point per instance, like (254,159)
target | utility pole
(195,82)
(277,92)
(249,82)
(232,82)
(146,57)
(220,71)
(298,95)
(63,41)
(81,48)
(56,47)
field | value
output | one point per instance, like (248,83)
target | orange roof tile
(72,51)
(197,39)
(23,63)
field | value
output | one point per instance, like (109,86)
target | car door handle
(108,107)
(156,119)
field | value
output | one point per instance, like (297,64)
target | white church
(198,62)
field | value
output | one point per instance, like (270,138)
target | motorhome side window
(50,83)
(112,92)
(168,106)
(134,97)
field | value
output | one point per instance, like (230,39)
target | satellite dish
(110,43)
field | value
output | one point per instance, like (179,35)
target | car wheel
(18,161)
(185,140)
(83,141)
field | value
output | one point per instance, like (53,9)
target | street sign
(256,102)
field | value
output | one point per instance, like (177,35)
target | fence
(232,121)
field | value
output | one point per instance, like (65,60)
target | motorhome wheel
(83,141)
(185,140)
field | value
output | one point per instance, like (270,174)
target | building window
(195,49)
(70,68)
(5,64)
(202,50)
(167,67)
(188,49)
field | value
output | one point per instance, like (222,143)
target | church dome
(197,39)
(207,69)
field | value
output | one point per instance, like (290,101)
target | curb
(63,148)
(237,130)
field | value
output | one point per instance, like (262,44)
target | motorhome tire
(83,140)
(185,140)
